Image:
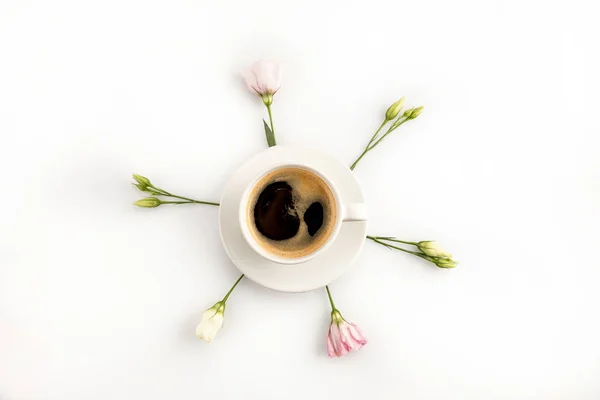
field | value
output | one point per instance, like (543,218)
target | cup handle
(355,212)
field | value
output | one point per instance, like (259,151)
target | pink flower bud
(264,78)
(343,336)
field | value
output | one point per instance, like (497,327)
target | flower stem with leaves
(269,130)
(427,250)
(212,318)
(144,184)
(392,114)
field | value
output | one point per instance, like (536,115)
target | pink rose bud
(264,78)
(343,336)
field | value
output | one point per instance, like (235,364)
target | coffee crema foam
(307,188)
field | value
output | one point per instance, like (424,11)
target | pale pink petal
(250,79)
(343,336)
(350,337)
(330,349)
(277,76)
(268,76)
(357,334)
(336,338)
(273,79)
(330,344)
(347,340)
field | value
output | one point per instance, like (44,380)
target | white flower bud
(211,322)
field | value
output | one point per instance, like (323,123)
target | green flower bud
(445,263)
(148,202)
(414,113)
(408,113)
(142,181)
(140,186)
(433,249)
(394,109)
(267,98)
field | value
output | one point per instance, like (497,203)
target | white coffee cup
(345,213)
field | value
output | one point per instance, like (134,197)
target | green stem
(366,150)
(231,290)
(396,247)
(392,129)
(271,121)
(391,239)
(165,193)
(358,159)
(385,121)
(330,299)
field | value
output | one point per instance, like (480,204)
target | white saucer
(313,274)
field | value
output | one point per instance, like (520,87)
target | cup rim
(273,257)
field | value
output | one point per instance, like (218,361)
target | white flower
(211,322)
(433,249)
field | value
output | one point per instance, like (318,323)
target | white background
(99,299)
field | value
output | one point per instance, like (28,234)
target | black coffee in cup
(291,212)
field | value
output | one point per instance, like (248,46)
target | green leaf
(270,136)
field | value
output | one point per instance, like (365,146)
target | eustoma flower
(392,114)
(444,262)
(264,79)
(343,336)
(144,184)
(148,202)
(212,319)
(428,250)
(393,110)
(211,322)
(433,249)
